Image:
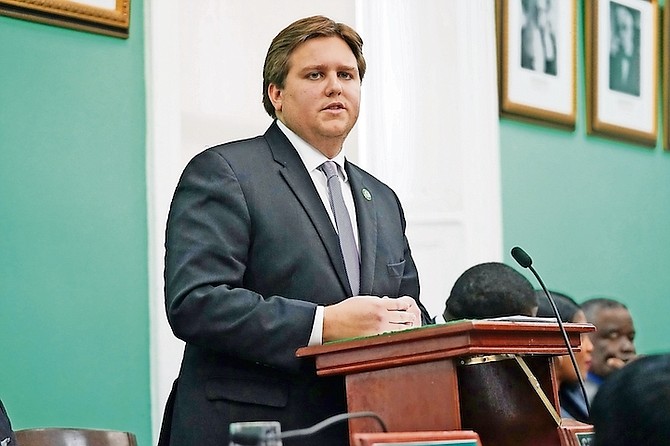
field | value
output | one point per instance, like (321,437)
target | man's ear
(276,96)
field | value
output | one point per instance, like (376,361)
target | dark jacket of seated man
(6,433)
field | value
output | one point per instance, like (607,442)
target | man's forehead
(613,317)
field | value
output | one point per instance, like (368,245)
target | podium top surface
(456,339)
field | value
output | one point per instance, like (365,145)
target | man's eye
(314,75)
(345,75)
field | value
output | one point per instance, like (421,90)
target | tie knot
(329,168)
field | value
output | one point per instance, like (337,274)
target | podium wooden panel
(419,380)
(455,438)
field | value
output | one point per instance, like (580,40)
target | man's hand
(617,363)
(369,315)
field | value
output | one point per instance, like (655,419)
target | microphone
(258,437)
(523,259)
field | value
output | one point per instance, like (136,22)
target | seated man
(631,406)
(612,341)
(489,290)
(6,433)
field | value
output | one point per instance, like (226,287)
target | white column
(163,165)
(429,128)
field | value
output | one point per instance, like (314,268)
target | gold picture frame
(622,69)
(666,76)
(537,60)
(108,17)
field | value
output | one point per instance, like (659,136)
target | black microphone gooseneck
(523,259)
(332,420)
(254,439)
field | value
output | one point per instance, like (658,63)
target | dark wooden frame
(79,15)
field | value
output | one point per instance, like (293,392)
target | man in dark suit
(538,37)
(624,50)
(613,341)
(254,268)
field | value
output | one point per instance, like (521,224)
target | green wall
(74,323)
(593,213)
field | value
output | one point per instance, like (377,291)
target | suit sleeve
(207,243)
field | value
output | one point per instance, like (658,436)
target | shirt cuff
(316,338)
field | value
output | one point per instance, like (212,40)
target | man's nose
(334,86)
(626,345)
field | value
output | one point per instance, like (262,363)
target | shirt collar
(310,156)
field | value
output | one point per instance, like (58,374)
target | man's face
(321,97)
(542,11)
(612,341)
(625,29)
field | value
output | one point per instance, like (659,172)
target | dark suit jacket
(629,84)
(250,253)
(6,433)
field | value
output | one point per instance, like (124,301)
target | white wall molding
(163,164)
(429,128)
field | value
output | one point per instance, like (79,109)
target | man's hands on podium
(369,315)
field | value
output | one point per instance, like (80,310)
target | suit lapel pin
(366,194)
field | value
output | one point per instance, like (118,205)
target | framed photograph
(419,438)
(621,69)
(109,17)
(537,60)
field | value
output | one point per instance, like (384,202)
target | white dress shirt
(312,159)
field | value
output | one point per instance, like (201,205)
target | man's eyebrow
(312,67)
(321,67)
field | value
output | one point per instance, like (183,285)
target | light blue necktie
(344,229)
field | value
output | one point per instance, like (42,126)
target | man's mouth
(335,106)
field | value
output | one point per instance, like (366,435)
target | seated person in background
(612,341)
(632,405)
(489,290)
(6,433)
(569,392)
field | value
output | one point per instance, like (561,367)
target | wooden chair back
(56,436)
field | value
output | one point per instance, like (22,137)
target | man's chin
(335,131)
(615,364)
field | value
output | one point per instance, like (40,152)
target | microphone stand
(525,261)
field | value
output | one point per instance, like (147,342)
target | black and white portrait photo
(624,72)
(538,36)
(622,55)
(538,60)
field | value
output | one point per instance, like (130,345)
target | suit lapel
(296,176)
(366,215)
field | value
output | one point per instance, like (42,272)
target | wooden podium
(492,377)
